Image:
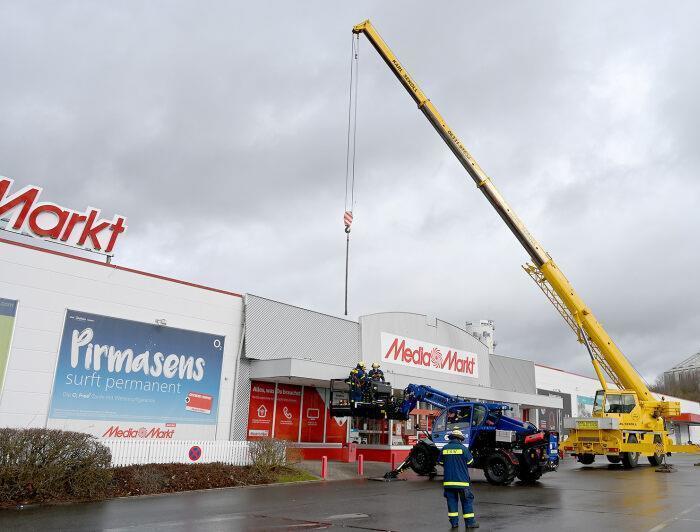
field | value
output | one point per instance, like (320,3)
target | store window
(261,407)
(294,413)
(369,431)
(313,415)
(287,412)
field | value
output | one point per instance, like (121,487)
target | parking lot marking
(664,524)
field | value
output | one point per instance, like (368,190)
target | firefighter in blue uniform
(358,378)
(455,458)
(376,374)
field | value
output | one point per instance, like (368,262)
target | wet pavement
(597,497)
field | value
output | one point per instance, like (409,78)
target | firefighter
(455,458)
(376,374)
(358,378)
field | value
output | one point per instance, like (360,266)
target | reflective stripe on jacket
(455,458)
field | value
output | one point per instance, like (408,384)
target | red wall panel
(313,415)
(287,412)
(262,401)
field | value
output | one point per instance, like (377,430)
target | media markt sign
(419,354)
(25,214)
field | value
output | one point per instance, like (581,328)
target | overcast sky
(219,131)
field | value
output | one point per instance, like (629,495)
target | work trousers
(454,496)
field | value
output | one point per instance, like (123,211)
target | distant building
(684,376)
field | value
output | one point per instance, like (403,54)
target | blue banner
(122,370)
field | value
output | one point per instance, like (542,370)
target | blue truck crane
(504,447)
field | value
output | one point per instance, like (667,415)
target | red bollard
(360,465)
(393,461)
(324,467)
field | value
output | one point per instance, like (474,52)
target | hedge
(43,464)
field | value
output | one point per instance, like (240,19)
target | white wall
(46,284)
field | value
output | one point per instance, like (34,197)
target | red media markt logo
(410,352)
(436,357)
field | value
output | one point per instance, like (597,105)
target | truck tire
(528,476)
(421,460)
(655,459)
(629,460)
(498,470)
(586,459)
(614,458)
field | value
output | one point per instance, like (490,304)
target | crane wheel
(614,458)
(655,459)
(586,459)
(499,471)
(421,460)
(629,460)
(530,476)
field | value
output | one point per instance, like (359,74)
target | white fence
(131,452)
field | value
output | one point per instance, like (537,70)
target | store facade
(90,346)
(291,354)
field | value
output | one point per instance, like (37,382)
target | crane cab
(616,403)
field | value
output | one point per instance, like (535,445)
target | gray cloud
(218,129)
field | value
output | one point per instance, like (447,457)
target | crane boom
(609,356)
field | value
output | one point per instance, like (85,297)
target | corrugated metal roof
(690,362)
(276,330)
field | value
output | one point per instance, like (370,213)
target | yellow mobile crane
(627,419)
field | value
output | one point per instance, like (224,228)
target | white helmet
(457,434)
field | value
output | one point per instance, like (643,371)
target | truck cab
(466,417)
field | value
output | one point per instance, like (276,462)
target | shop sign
(52,222)
(419,354)
(128,379)
(288,412)
(262,404)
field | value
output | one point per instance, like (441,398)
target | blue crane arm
(418,392)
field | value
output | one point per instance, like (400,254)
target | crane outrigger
(627,419)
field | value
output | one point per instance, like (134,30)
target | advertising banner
(262,405)
(585,406)
(288,412)
(143,380)
(313,415)
(413,353)
(8,312)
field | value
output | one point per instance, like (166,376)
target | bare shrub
(42,464)
(268,454)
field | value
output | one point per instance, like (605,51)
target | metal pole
(347,255)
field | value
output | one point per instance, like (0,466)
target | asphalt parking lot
(597,497)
